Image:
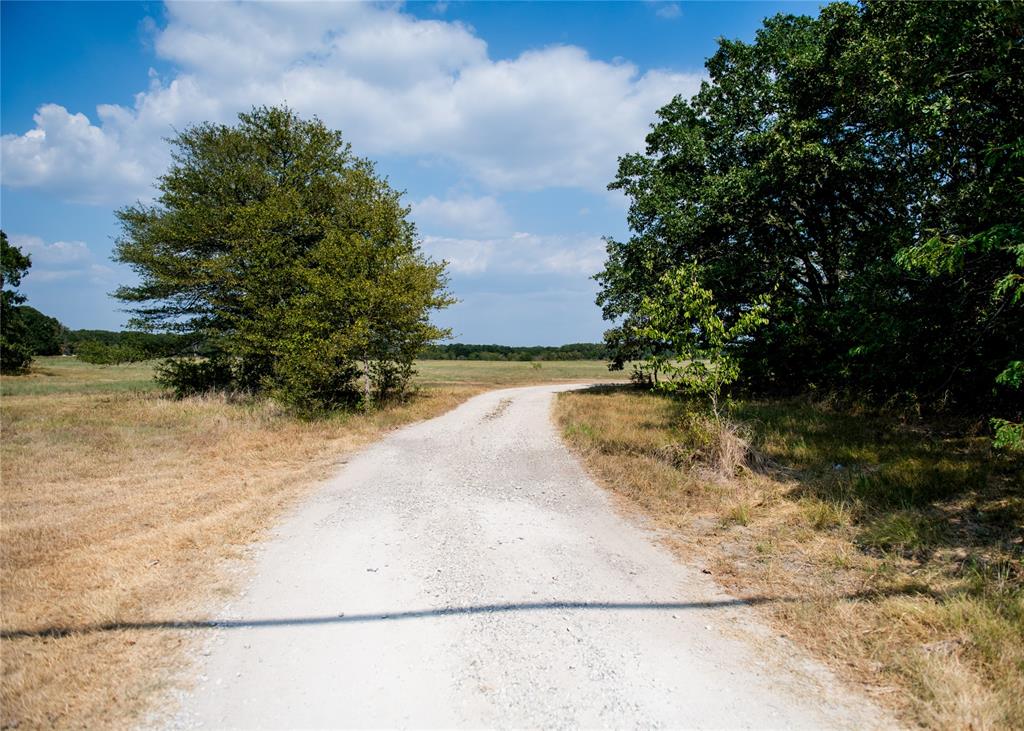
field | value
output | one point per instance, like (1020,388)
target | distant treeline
(461,351)
(47,336)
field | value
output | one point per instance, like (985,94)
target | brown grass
(898,549)
(121,506)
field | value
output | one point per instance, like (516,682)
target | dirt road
(466,572)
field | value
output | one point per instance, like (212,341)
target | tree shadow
(911,486)
(54,631)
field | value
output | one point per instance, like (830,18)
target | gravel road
(465,571)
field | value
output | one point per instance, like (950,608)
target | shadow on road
(380,617)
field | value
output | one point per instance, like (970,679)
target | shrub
(91,351)
(14,357)
(192,376)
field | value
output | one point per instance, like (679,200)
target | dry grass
(899,550)
(121,506)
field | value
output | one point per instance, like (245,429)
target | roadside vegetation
(121,505)
(855,182)
(823,296)
(466,351)
(893,549)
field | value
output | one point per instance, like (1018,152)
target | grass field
(894,551)
(120,506)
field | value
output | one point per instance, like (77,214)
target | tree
(989,263)
(692,342)
(288,257)
(43,335)
(816,164)
(15,356)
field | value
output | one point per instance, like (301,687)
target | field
(121,506)
(894,551)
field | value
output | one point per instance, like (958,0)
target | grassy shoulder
(121,506)
(894,551)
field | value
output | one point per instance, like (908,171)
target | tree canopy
(288,257)
(15,354)
(866,169)
(44,335)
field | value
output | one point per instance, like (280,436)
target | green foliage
(289,260)
(92,351)
(461,351)
(193,376)
(865,168)
(905,531)
(15,353)
(14,357)
(691,338)
(1009,435)
(43,335)
(130,345)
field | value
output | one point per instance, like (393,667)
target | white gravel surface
(465,572)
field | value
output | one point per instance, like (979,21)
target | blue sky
(501,121)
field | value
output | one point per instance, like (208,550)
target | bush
(91,351)
(189,376)
(14,357)
(314,386)
(390,379)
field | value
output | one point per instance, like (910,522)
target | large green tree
(289,259)
(44,335)
(817,163)
(15,355)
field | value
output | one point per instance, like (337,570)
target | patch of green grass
(68,375)
(738,514)
(907,531)
(513,373)
(579,430)
(825,514)
(914,481)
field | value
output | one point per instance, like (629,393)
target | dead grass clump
(899,549)
(716,448)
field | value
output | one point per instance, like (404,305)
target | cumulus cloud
(669,11)
(520,253)
(465,214)
(395,84)
(61,260)
(68,154)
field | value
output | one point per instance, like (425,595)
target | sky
(502,122)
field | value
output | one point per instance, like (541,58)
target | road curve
(465,572)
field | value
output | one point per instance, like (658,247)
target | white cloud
(520,253)
(464,214)
(61,260)
(464,256)
(393,83)
(669,11)
(74,158)
(59,252)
